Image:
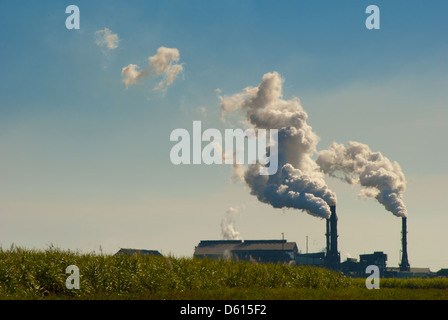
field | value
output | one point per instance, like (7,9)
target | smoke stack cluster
(299,182)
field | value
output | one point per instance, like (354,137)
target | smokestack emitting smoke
(163,63)
(298,183)
(404,265)
(356,163)
(228,225)
(333,257)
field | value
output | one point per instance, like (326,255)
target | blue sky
(85,162)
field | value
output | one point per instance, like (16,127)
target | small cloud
(163,64)
(106,39)
(131,74)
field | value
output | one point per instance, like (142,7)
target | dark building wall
(263,255)
(312,259)
(377,258)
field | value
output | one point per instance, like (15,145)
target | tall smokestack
(327,235)
(333,256)
(404,265)
(334,230)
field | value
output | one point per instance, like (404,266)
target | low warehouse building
(142,252)
(249,250)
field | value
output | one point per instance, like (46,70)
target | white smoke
(298,183)
(228,231)
(237,173)
(164,64)
(106,38)
(131,74)
(381,178)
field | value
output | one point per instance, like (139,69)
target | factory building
(377,258)
(412,273)
(141,252)
(262,251)
(356,268)
(314,259)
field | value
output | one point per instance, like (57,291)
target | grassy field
(29,274)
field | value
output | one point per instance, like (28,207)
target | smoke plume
(299,182)
(106,38)
(381,178)
(164,64)
(228,225)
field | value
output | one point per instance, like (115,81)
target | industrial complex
(282,251)
(265,251)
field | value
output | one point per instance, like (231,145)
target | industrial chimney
(404,265)
(333,258)
(327,235)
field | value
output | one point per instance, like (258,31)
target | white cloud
(131,74)
(164,63)
(106,39)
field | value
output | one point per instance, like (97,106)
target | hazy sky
(84,162)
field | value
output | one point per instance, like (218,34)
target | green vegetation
(30,274)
